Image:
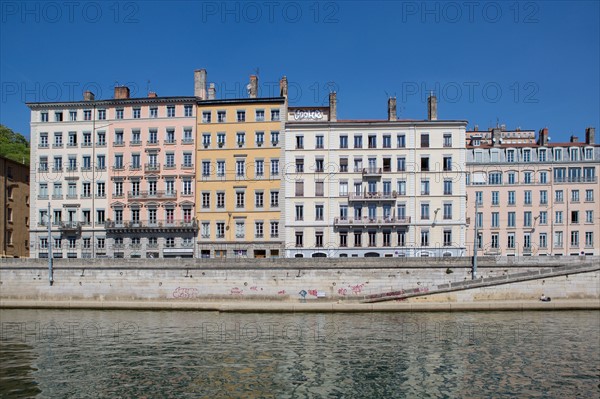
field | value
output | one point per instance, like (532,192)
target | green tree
(13,145)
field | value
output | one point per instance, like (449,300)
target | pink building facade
(534,199)
(151,176)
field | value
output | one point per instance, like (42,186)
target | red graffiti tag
(185,293)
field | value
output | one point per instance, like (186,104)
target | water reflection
(193,354)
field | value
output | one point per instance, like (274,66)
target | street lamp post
(50,254)
(475,243)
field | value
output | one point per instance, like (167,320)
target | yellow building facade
(239,166)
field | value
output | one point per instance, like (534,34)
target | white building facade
(373,188)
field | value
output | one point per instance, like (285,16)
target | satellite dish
(549,138)
(494,139)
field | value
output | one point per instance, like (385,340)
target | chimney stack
(253,86)
(574,139)
(392,109)
(333,107)
(152,94)
(212,92)
(543,136)
(432,108)
(88,96)
(496,136)
(121,92)
(283,87)
(590,135)
(200,83)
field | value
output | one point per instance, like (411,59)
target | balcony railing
(375,196)
(578,179)
(366,221)
(70,226)
(158,194)
(371,171)
(151,225)
(152,167)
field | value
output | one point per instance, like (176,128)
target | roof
(112,101)
(227,101)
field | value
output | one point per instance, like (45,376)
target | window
(527,156)
(447,140)
(512,219)
(206,116)
(424,164)
(343,141)
(401,187)
(299,212)
(319,165)
(372,141)
(575,238)
(299,142)
(575,217)
(558,196)
(424,140)
(101,138)
(358,141)
(274,114)
(240,168)
(589,239)
(512,178)
(558,239)
(543,197)
(170,111)
(527,219)
(241,116)
(136,113)
(527,177)
(319,142)
(206,200)
(343,239)
(495,198)
(220,200)
(543,177)
(319,189)
(259,229)
(259,168)
(424,238)
(299,239)
(299,188)
(274,167)
(424,187)
(299,165)
(543,217)
(387,141)
(401,141)
(153,112)
(100,216)
(274,199)
(447,164)
(558,217)
(542,155)
(274,138)
(241,138)
(58,142)
(447,211)
(510,156)
(187,110)
(527,197)
(589,195)
(589,216)
(44,116)
(187,159)
(260,138)
(358,239)
(510,240)
(187,187)
(220,229)
(495,219)
(319,211)
(479,197)
(58,117)
(511,198)
(495,178)
(319,239)
(574,195)
(424,211)
(240,198)
(259,199)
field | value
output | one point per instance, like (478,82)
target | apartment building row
(536,198)
(201,176)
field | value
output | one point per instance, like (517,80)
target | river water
(151,354)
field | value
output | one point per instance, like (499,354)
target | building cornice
(110,102)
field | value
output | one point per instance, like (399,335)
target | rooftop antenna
(147,86)
(497,122)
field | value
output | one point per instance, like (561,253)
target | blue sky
(526,64)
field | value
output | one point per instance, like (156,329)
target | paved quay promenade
(306,307)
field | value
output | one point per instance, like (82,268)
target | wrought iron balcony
(371,222)
(70,226)
(141,226)
(371,172)
(152,167)
(152,195)
(375,196)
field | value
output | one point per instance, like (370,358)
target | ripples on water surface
(128,354)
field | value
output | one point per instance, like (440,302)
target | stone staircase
(484,282)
